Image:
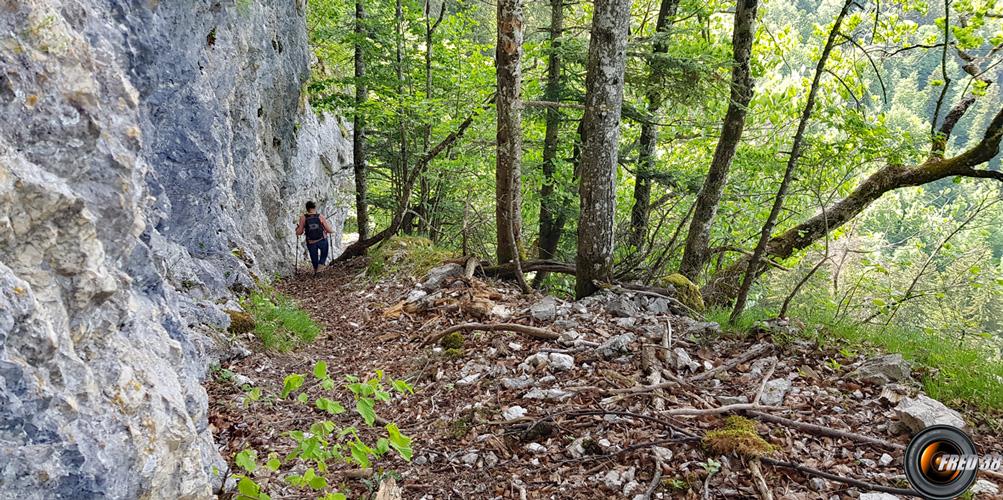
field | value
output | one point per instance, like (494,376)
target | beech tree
(508,161)
(600,138)
(742,87)
(359,124)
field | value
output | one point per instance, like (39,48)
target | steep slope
(153,158)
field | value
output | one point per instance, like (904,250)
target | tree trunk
(600,138)
(755,261)
(359,125)
(742,87)
(550,204)
(508,161)
(640,212)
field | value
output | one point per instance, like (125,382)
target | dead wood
(755,352)
(833,477)
(529,331)
(824,431)
(759,481)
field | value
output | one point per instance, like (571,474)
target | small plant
(325,443)
(738,436)
(278,322)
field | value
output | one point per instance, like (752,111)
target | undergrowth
(960,371)
(411,256)
(278,322)
(326,443)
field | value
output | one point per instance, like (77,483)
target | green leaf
(330,406)
(248,488)
(247,460)
(399,442)
(402,386)
(364,406)
(318,483)
(303,398)
(273,462)
(291,384)
(360,453)
(320,370)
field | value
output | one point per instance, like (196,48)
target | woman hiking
(316,228)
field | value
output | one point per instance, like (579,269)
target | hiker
(316,228)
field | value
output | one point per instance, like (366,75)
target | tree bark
(508,53)
(550,205)
(742,87)
(752,269)
(359,125)
(640,212)
(600,138)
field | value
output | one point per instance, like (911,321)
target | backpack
(314,229)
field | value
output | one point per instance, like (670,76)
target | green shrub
(278,322)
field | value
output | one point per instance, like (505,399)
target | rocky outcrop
(153,158)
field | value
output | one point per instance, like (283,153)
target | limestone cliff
(153,158)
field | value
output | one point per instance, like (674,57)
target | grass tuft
(278,322)
(409,256)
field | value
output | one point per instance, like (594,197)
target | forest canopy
(830,160)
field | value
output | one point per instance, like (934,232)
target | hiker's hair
(310,205)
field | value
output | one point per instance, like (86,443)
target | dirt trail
(594,433)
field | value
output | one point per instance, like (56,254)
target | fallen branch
(824,431)
(832,477)
(529,331)
(759,481)
(656,478)
(752,353)
(720,409)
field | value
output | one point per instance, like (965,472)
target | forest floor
(487,422)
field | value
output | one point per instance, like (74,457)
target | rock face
(153,158)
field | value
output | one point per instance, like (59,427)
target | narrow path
(465,449)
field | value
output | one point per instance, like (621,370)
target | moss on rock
(452,341)
(738,436)
(240,322)
(686,291)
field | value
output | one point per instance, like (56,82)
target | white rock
(536,448)
(548,394)
(501,312)
(576,449)
(631,487)
(240,380)
(520,382)
(612,480)
(921,412)
(663,454)
(878,496)
(470,458)
(775,391)
(561,362)
(544,310)
(683,361)
(984,487)
(469,379)
(513,412)
(886,459)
